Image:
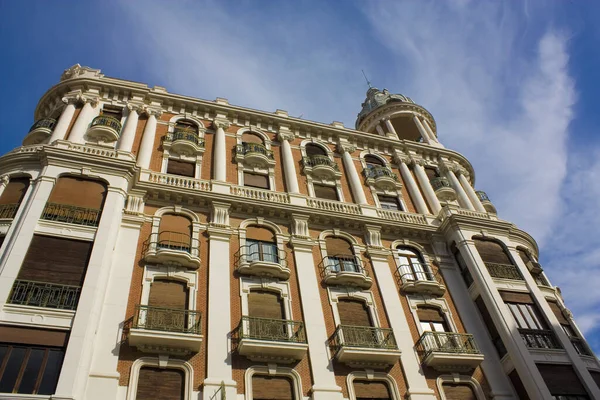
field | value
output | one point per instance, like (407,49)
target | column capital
(285,135)
(401,158)
(219,123)
(135,106)
(220,214)
(151,111)
(300,226)
(345,147)
(418,161)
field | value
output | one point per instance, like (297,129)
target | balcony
(8,211)
(266,340)
(344,270)
(381,177)
(485,201)
(40,131)
(183,141)
(42,294)
(172,248)
(539,339)
(447,351)
(104,128)
(321,166)
(252,260)
(364,346)
(254,154)
(443,189)
(421,281)
(504,271)
(166,330)
(581,347)
(71,214)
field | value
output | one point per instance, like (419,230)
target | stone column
(86,115)
(391,130)
(148,138)
(379,130)
(463,199)
(411,185)
(60,130)
(220,152)
(355,183)
(434,203)
(4,179)
(422,131)
(324,387)
(128,134)
(289,169)
(470,192)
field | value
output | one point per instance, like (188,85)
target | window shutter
(251,138)
(431,173)
(169,294)
(458,392)
(15,191)
(263,304)
(258,233)
(325,192)
(182,168)
(338,246)
(492,252)
(516,297)
(78,192)
(353,312)
(371,390)
(561,380)
(155,383)
(33,336)
(175,223)
(430,314)
(315,150)
(272,388)
(558,313)
(256,180)
(56,260)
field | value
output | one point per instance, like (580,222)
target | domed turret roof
(377,98)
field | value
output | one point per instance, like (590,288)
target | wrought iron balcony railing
(173,241)
(446,342)
(539,339)
(341,263)
(580,346)
(183,134)
(42,294)
(503,271)
(416,272)
(363,337)
(316,160)
(440,183)
(377,172)
(248,254)
(71,214)
(279,330)
(246,148)
(482,195)
(167,319)
(8,210)
(47,123)
(108,121)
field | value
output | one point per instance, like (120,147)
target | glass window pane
(438,327)
(3,352)
(253,253)
(13,367)
(425,326)
(518,317)
(32,371)
(528,314)
(51,372)
(269,252)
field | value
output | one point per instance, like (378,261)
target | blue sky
(512,85)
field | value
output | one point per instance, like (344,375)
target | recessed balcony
(381,177)
(504,271)
(447,351)
(443,189)
(183,141)
(166,330)
(485,201)
(539,339)
(364,346)
(261,261)
(40,131)
(265,340)
(419,279)
(8,211)
(320,166)
(104,128)
(172,248)
(344,270)
(69,214)
(43,294)
(255,154)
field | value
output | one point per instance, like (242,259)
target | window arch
(251,137)
(461,387)
(492,251)
(340,255)
(313,149)
(175,232)
(289,386)
(13,195)
(149,389)
(432,319)
(354,312)
(411,265)
(261,245)
(372,161)
(374,385)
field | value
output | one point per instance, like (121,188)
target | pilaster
(147,145)
(355,184)
(219,152)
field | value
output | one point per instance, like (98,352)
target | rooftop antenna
(366,79)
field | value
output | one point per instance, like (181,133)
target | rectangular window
(256,180)
(389,203)
(263,251)
(326,192)
(182,168)
(562,381)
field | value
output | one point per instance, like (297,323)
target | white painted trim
(372,376)
(255,131)
(273,370)
(459,379)
(163,364)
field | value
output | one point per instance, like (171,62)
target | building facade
(158,246)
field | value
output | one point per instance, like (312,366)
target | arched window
(261,245)
(340,255)
(249,137)
(272,388)
(175,232)
(315,150)
(432,319)
(371,390)
(12,196)
(460,391)
(76,200)
(410,265)
(156,383)
(497,259)
(373,161)
(185,126)
(354,312)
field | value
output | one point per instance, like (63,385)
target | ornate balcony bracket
(449,352)
(104,128)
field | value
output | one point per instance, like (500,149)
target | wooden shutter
(315,150)
(561,380)
(492,252)
(264,304)
(15,191)
(516,297)
(169,294)
(251,138)
(182,168)
(338,246)
(458,392)
(515,379)
(272,388)
(188,126)
(175,223)
(431,173)
(33,336)
(369,159)
(371,390)
(430,314)
(78,192)
(258,233)
(256,180)
(325,192)
(596,377)
(353,312)
(155,383)
(558,313)
(56,260)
